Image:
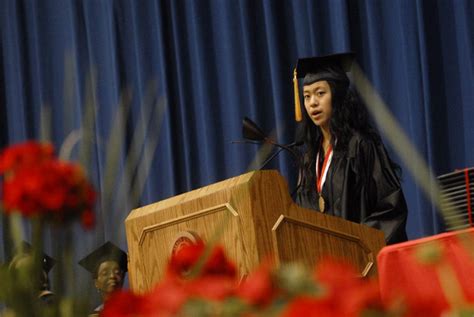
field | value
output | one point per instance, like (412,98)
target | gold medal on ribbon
(321,176)
(321,203)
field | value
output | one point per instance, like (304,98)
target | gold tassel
(298,116)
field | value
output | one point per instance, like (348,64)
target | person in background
(23,261)
(346,170)
(108,266)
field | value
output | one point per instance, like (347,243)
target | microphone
(252,132)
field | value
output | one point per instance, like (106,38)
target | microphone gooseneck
(253,134)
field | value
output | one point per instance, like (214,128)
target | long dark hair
(349,116)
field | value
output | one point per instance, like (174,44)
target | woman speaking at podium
(346,170)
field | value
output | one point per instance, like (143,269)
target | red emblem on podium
(184,238)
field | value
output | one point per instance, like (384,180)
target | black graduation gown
(361,186)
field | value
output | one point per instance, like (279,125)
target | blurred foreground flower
(38,184)
(334,290)
(42,188)
(268,291)
(25,155)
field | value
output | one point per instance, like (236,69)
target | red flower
(211,287)
(258,288)
(219,264)
(122,304)
(309,307)
(24,155)
(187,257)
(58,191)
(343,294)
(166,299)
(341,280)
(88,219)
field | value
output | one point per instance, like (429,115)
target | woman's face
(318,102)
(109,277)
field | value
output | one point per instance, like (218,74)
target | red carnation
(88,219)
(211,287)
(122,304)
(166,299)
(258,288)
(187,257)
(58,191)
(24,155)
(341,280)
(309,307)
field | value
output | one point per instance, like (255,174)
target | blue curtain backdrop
(210,63)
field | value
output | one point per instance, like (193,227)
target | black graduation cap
(106,252)
(25,249)
(313,69)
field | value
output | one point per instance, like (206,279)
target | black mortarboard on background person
(26,249)
(313,69)
(106,252)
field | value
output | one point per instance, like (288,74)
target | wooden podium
(253,216)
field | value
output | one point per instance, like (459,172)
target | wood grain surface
(254,217)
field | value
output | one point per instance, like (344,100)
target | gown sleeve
(305,194)
(382,203)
